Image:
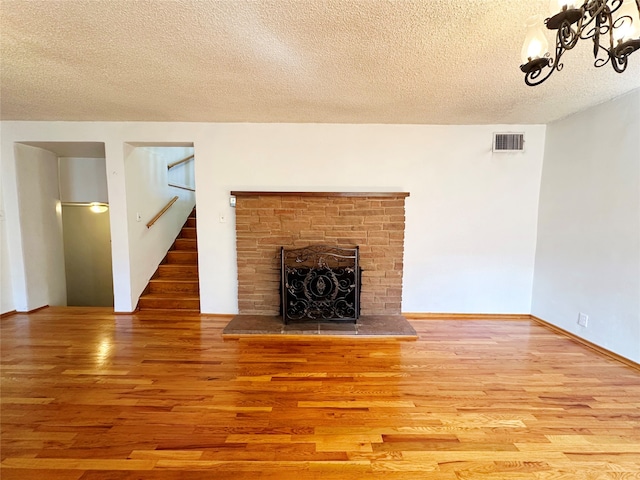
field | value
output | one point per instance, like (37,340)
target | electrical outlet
(583,319)
(223,218)
(138,217)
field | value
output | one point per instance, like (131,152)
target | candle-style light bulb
(535,43)
(626,22)
(557,6)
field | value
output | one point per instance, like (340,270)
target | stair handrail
(162,212)
(180,162)
(182,187)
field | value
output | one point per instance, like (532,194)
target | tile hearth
(389,326)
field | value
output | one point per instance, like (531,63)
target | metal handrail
(182,187)
(162,212)
(180,162)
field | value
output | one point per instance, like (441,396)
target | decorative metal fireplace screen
(320,282)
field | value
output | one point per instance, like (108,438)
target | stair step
(169,301)
(160,285)
(186,244)
(166,312)
(177,271)
(188,257)
(191,222)
(188,232)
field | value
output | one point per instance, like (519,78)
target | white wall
(588,253)
(40,217)
(147,193)
(83,180)
(6,282)
(470,219)
(471,216)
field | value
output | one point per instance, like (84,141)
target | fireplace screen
(320,282)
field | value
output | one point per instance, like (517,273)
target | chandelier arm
(595,8)
(602,61)
(620,54)
(591,33)
(603,29)
(534,77)
(619,62)
(615,5)
(567,36)
(597,11)
(603,17)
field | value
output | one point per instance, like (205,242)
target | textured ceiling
(338,61)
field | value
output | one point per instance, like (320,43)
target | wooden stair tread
(173,280)
(170,295)
(191,287)
(177,266)
(171,266)
(186,245)
(181,257)
(178,275)
(168,310)
(175,275)
(188,232)
(183,252)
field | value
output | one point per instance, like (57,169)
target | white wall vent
(508,142)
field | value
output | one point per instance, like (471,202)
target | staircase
(175,284)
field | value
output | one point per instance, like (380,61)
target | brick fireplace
(266,221)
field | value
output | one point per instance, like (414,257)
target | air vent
(508,142)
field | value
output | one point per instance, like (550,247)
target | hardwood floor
(90,395)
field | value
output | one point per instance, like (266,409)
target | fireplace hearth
(320,282)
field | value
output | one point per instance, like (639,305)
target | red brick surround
(265,221)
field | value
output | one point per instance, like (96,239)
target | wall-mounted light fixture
(95,207)
(612,25)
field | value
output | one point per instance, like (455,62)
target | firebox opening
(320,282)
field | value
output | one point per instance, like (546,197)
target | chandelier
(612,25)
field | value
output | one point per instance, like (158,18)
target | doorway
(67,221)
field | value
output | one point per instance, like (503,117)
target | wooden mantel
(243,193)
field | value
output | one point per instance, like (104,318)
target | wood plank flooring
(90,395)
